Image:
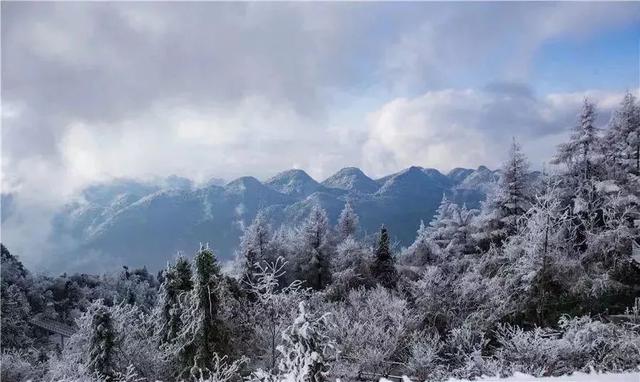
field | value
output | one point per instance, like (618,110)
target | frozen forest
(542,280)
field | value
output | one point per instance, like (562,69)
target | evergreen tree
(383,268)
(103,343)
(14,320)
(507,202)
(313,267)
(579,155)
(204,335)
(542,268)
(255,247)
(347,222)
(177,280)
(423,251)
(440,226)
(622,141)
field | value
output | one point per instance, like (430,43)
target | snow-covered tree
(383,268)
(440,228)
(506,202)
(347,222)
(622,140)
(177,280)
(16,312)
(304,352)
(423,251)
(542,264)
(371,327)
(203,334)
(311,261)
(272,309)
(351,268)
(103,344)
(255,246)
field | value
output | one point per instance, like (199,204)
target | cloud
(464,128)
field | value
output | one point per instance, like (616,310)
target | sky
(95,91)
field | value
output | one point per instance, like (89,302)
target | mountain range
(136,223)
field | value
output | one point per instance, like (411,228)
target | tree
(177,280)
(203,335)
(15,318)
(305,350)
(383,268)
(440,226)
(507,202)
(103,343)
(312,262)
(255,246)
(272,308)
(622,140)
(423,251)
(579,154)
(347,222)
(542,265)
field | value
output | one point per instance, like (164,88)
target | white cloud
(465,128)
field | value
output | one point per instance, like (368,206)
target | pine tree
(313,266)
(542,266)
(347,223)
(423,251)
(14,318)
(622,140)
(579,155)
(177,280)
(210,332)
(383,268)
(103,343)
(204,335)
(255,247)
(507,202)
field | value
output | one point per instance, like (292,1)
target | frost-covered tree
(177,280)
(304,352)
(542,265)
(203,334)
(255,246)
(383,268)
(371,327)
(103,344)
(440,227)
(507,201)
(582,161)
(271,310)
(622,140)
(347,222)
(423,251)
(351,268)
(579,155)
(311,259)
(16,312)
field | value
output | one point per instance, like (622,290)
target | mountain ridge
(149,229)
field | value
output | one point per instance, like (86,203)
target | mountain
(352,179)
(137,223)
(294,182)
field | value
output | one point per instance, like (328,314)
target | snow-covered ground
(576,377)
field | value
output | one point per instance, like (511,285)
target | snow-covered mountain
(146,224)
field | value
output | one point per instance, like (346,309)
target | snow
(575,377)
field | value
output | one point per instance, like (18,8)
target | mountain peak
(243,183)
(293,182)
(351,179)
